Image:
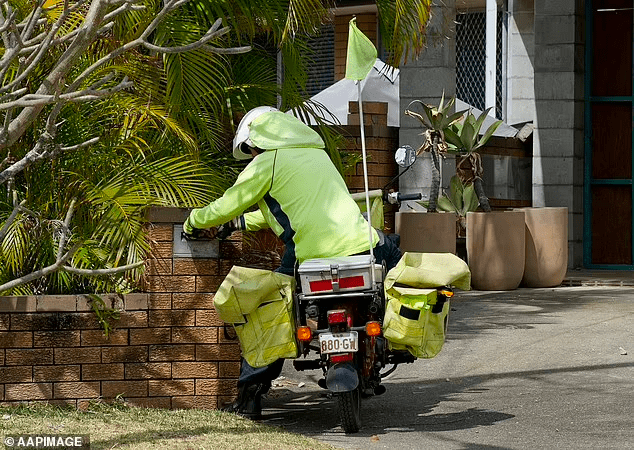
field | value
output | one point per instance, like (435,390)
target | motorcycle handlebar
(404,197)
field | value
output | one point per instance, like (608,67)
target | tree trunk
(482,198)
(435,175)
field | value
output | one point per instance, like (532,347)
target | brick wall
(167,349)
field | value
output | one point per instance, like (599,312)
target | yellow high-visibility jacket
(300,194)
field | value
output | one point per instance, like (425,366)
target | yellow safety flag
(361,53)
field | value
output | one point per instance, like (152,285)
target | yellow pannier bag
(411,324)
(259,304)
(414,320)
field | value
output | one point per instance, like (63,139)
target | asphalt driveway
(530,368)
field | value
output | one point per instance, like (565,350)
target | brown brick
(160,267)
(18,374)
(56,373)
(194,335)
(216,387)
(28,391)
(112,371)
(4,321)
(161,232)
(77,355)
(65,303)
(228,369)
(16,339)
(18,304)
(124,354)
(161,249)
(171,283)
(28,357)
(145,371)
(218,352)
(194,370)
(56,339)
(208,318)
(136,302)
(195,402)
(172,318)
(208,283)
(150,402)
(113,301)
(84,303)
(111,389)
(150,336)
(172,352)
(92,338)
(199,266)
(1,357)
(134,319)
(159,301)
(77,389)
(54,321)
(192,301)
(159,388)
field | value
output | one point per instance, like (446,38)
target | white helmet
(242,134)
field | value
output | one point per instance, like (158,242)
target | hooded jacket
(300,194)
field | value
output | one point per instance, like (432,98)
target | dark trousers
(386,250)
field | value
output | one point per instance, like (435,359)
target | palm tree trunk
(482,198)
(435,175)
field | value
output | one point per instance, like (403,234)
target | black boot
(249,401)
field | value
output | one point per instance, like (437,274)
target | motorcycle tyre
(349,405)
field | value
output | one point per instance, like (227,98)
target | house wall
(558,149)
(425,79)
(520,101)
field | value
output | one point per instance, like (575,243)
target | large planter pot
(546,246)
(496,249)
(426,232)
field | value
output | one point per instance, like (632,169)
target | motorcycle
(340,305)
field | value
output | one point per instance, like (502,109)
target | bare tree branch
(10,219)
(95,272)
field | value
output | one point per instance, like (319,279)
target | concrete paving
(523,369)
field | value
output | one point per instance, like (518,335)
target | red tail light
(337,316)
(342,358)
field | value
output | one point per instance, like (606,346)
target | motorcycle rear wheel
(349,405)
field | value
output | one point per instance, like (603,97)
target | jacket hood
(277,130)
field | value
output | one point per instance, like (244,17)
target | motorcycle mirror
(405,156)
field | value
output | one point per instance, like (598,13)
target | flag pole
(365,181)
(360,58)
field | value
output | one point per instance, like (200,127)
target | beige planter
(426,232)
(496,249)
(546,246)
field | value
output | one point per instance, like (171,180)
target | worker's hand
(225,230)
(191,233)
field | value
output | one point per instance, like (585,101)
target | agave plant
(436,119)
(464,138)
(460,200)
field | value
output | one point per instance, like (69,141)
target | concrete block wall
(558,150)
(426,79)
(520,106)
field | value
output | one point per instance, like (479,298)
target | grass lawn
(116,426)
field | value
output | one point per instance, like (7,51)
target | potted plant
(495,239)
(421,231)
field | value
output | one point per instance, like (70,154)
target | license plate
(339,342)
